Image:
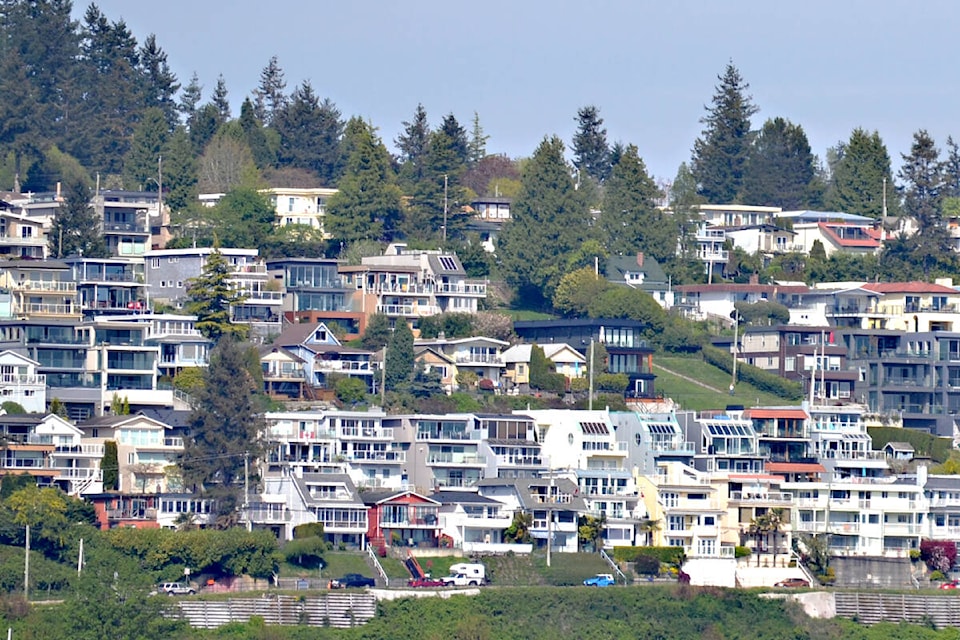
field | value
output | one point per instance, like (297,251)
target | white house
(20,382)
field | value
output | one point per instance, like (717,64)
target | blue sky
(527,66)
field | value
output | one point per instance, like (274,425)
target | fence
(340,610)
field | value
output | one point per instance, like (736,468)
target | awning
(799,414)
(795,467)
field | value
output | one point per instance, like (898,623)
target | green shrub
(769,382)
(741,552)
(614,382)
(666,555)
(305,552)
(579,384)
(308,530)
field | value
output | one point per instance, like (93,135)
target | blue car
(600,580)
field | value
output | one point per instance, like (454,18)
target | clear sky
(526,66)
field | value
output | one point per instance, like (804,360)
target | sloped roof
(900,446)
(517,353)
(776,413)
(908,287)
(731,287)
(463,497)
(551,350)
(833,231)
(298,333)
(618,266)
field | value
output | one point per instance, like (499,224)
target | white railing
(42,308)
(613,565)
(365,432)
(67,450)
(45,285)
(38,379)
(341,365)
(464,288)
(766,496)
(420,310)
(481,358)
(376,565)
(376,456)
(455,458)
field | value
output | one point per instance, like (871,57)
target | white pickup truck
(465,575)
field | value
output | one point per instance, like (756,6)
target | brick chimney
(639,258)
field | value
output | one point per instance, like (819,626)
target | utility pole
(550,502)
(26,568)
(736,338)
(383,378)
(444,209)
(160,189)
(590,371)
(246,490)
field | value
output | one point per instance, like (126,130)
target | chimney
(755,278)
(639,258)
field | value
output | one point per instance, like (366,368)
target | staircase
(416,572)
(340,610)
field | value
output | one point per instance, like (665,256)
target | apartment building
(111,286)
(300,206)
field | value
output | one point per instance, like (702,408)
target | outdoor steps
(330,610)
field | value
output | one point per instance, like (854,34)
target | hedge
(763,380)
(666,555)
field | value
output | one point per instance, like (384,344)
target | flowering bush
(940,555)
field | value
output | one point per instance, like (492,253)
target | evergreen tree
(860,169)
(269,97)
(685,267)
(377,333)
(141,164)
(204,126)
(631,221)
(255,136)
(226,426)
(922,176)
(400,357)
(111,466)
(720,153)
(245,218)
(310,133)
(179,171)
(412,144)
(76,227)
(221,99)
(477,146)
(160,83)
(439,195)
(211,295)
(368,205)
(591,153)
(458,138)
(549,220)
(951,170)
(780,170)
(190,99)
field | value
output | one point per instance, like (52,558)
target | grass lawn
(526,314)
(695,397)
(340,563)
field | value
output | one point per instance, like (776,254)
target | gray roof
(437,266)
(462,497)
(522,487)
(333,478)
(899,446)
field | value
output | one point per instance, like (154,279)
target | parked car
(466,574)
(352,581)
(426,583)
(792,583)
(952,584)
(600,580)
(177,589)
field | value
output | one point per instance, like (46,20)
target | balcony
(462,288)
(676,448)
(519,461)
(30,241)
(342,365)
(412,289)
(408,310)
(252,296)
(125,227)
(78,473)
(283,375)
(11,379)
(449,458)
(245,269)
(75,450)
(901,529)
(366,433)
(131,514)
(45,286)
(479,358)
(157,333)
(768,497)
(45,309)
(376,456)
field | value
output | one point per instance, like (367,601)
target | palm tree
(648,527)
(775,522)
(758,529)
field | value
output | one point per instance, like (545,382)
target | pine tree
(922,177)
(631,221)
(179,171)
(412,145)
(458,138)
(255,136)
(76,227)
(861,167)
(951,170)
(310,133)
(221,99)
(400,357)
(160,83)
(377,333)
(368,205)
(140,166)
(549,220)
(226,425)
(780,170)
(477,146)
(211,297)
(437,200)
(269,97)
(190,99)
(720,153)
(591,153)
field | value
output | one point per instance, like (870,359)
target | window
(290,202)
(173,260)
(154,263)
(26,232)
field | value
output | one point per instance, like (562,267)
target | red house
(117,510)
(401,517)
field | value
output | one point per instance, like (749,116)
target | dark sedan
(352,581)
